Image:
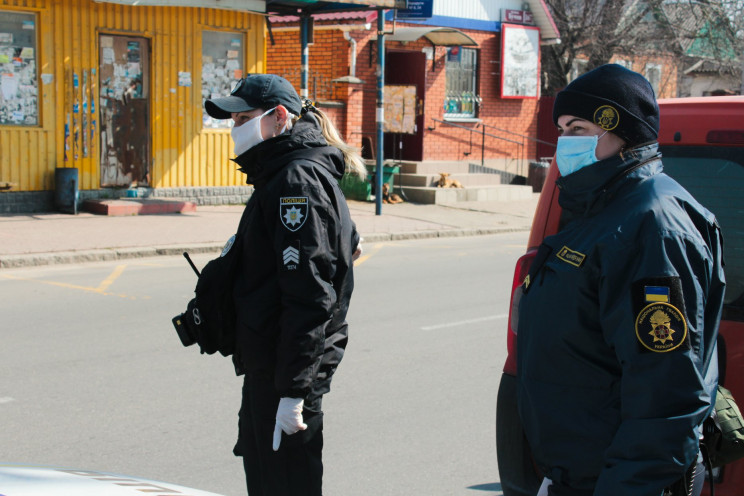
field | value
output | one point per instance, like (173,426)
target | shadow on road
(493,486)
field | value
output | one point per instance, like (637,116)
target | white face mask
(248,134)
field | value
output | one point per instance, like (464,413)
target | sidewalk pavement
(42,239)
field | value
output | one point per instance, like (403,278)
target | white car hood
(29,480)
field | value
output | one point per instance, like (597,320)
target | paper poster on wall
(8,86)
(6,38)
(520,61)
(133,51)
(184,78)
(133,69)
(400,109)
(107,56)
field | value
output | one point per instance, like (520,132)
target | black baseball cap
(256,91)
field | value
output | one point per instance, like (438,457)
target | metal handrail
(523,136)
(518,134)
(483,134)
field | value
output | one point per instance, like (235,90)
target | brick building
(465,106)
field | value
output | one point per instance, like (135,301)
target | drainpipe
(353,43)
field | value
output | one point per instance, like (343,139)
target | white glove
(543,491)
(357,251)
(288,419)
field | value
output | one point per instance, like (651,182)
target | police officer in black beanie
(617,359)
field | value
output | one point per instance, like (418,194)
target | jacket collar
(588,190)
(305,140)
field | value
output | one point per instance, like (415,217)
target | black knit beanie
(614,98)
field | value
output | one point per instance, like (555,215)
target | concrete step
(439,196)
(138,206)
(467,180)
(434,167)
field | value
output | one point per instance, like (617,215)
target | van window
(715,177)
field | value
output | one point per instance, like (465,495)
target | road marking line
(375,248)
(465,322)
(111,278)
(6,399)
(73,286)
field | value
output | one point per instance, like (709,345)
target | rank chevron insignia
(291,257)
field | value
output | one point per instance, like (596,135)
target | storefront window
(222,66)
(461,96)
(19,86)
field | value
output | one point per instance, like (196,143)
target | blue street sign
(417,9)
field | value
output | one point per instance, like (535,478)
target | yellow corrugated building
(116,91)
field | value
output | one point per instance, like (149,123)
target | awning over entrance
(321,6)
(437,35)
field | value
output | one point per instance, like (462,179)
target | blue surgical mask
(576,152)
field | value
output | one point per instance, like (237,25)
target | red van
(702,146)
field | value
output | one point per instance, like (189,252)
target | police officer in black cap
(618,319)
(295,278)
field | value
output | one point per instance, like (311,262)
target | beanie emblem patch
(607,117)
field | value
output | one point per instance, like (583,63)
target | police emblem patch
(293,211)
(661,327)
(606,117)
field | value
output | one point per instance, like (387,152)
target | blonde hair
(352,157)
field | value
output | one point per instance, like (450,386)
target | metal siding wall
(483,10)
(182,153)
(211,150)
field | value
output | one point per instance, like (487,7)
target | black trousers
(297,468)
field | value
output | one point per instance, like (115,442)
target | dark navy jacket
(617,328)
(295,276)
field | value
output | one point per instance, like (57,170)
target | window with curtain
(461,94)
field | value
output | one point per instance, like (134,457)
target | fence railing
(480,129)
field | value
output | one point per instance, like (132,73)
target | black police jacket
(295,275)
(618,319)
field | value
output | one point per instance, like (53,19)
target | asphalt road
(92,375)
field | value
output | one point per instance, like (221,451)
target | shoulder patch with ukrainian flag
(659,309)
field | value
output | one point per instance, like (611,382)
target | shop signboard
(517,16)
(417,9)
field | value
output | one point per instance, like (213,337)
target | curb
(111,254)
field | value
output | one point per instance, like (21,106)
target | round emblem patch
(228,245)
(661,327)
(606,117)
